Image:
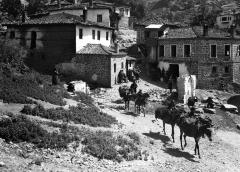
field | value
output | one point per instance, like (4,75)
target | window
(213,50)
(122,65)
(121,11)
(93,34)
(214,70)
(238,50)
(12,35)
(160,33)
(107,35)
(226,69)
(98,35)
(147,34)
(80,33)
(227,50)
(161,51)
(115,67)
(187,50)
(173,50)
(33,39)
(99,18)
(127,11)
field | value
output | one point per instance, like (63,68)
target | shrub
(87,116)
(20,129)
(17,89)
(102,144)
(84,98)
(134,136)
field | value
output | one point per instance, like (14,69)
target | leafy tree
(35,6)
(12,7)
(205,13)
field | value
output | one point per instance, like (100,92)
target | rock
(238,126)
(2,164)
(199,110)
(230,108)
(209,110)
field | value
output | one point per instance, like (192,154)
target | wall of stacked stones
(201,64)
(95,68)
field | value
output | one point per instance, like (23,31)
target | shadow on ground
(130,113)
(171,151)
(178,153)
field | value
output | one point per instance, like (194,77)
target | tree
(35,6)
(205,12)
(12,7)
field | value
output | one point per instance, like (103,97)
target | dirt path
(220,155)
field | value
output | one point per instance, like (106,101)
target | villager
(171,105)
(55,79)
(170,84)
(133,87)
(139,94)
(210,103)
(122,77)
(192,112)
(70,87)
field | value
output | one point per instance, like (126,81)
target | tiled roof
(62,2)
(61,18)
(194,32)
(97,49)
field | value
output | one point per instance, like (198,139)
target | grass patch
(84,98)
(79,115)
(16,89)
(21,129)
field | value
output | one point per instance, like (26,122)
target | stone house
(56,38)
(97,11)
(229,16)
(151,27)
(100,64)
(210,54)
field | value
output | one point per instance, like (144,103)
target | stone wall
(95,68)
(207,69)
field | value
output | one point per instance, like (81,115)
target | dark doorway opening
(33,39)
(174,71)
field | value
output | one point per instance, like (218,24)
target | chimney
(116,48)
(205,30)
(91,3)
(233,30)
(84,14)
(59,3)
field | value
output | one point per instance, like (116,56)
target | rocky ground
(159,153)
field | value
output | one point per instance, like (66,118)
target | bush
(102,144)
(87,116)
(84,98)
(17,89)
(134,137)
(20,129)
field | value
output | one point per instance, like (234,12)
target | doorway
(174,71)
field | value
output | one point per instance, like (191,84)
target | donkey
(141,101)
(195,127)
(169,116)
(124,93)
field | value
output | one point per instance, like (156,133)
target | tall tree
(12,7)
(35,6)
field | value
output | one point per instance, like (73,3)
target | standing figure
(133,87)
(170,84)
(210,103)
(55,79)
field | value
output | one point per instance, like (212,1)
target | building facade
(213,56)
(56,38)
